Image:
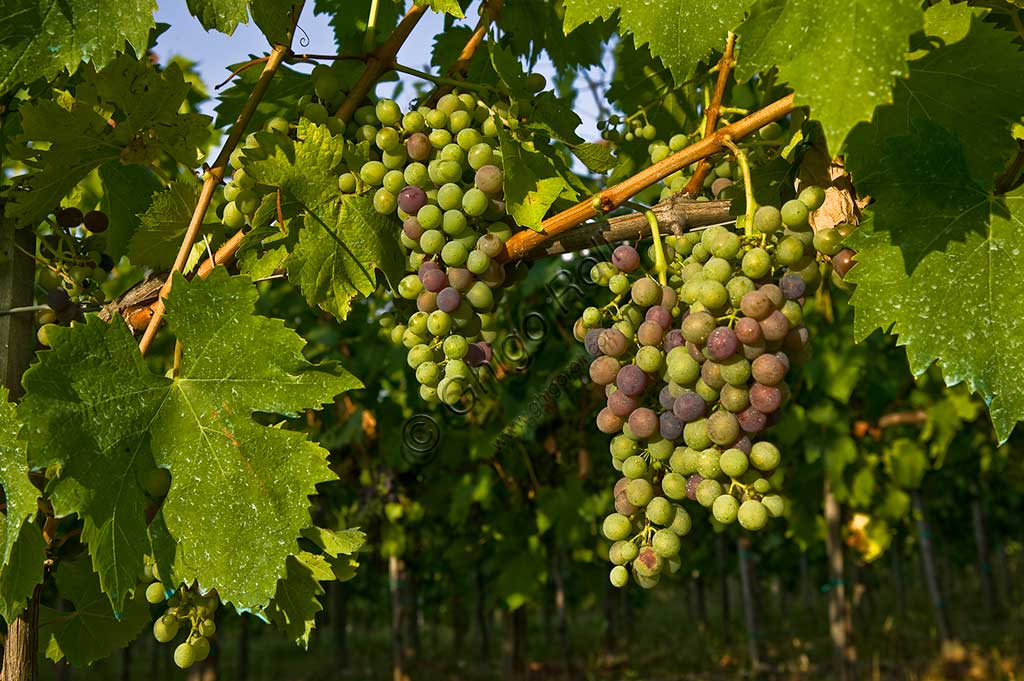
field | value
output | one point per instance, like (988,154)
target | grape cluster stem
(714,110)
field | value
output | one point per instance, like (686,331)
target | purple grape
(488,179)
(691,485)
(427,265)
(689,406)
(418,147)
(660,315)
(479,354)
(604,370)
(434,280)
(673,339)
(775,326)
(765,398)
(612,342)
(643,422)
(670,426)
(711,374)
(448,299)
(625,258)
(665,398)
(774,294)
(607,422)
(752,421)
(631,380)
(426,301)
(695,352)
(460,278)
(412,228)
(650,333)
(722,343)
(590,342)
(748,331)
(411,199)
(744,444)
(796,340)
(621,404)
(793,286)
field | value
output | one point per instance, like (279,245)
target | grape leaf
(680,32)
(163,225)
(344,239)
(41,38)
(595,156)
(296,603)
(238,498)
(61,146)
(936,237)
(840,57)
(220,15)
(275,19)
(127,192)
(444,6)
(967,81)
(532,182)
(335,543)
(531,28)
(448,45)
(91,630)
(22,549)
(348,19)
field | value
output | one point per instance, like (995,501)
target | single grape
(157,482)
(843,262)
(639,492)
(448,299)
(625,258)
(670,426)
(725,508)
(689,406)
(768,370)
(155,593)
(184,655)
(765,456)
(765,398)
(775,326)
(619,576)
(752,514)
(411,199)
(812,197)
(96,221)
(733,462)
(474,202)
(722,343)
(643,421)
(707,491)
(751,420)
(794,214)
(775,505)
(631,379)
(166,628)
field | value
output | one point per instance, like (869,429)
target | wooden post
(723,584)
(749,605)
(339,625)
(482,627)
(988,592)
(397,642)
(843,651)
(17,343)
(561,612)
(931,578)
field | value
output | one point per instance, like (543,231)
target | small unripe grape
(184,655)
(166,628)
(752,515)
(725,508)
(155,593)
(619,576)
(616,527)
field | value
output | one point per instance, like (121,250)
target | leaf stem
(442,80)
(748,187)
(660,266)
(214,176)
(371,26)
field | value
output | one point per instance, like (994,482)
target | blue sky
(212,51)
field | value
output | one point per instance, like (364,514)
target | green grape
(757,263)
(718,269)
(674,486)
(775,505)
(439,323)
(409,287)
(761,485)
(666,543)
(449,196)
(480,296)
(384,202)
(733,462)
(634,467)
(724,509)
(649,359)
(478,262)
(479,155)
(794,214)
(207,628)
(394,181)
(428,373)
(660,450)
(315,113)
(474,202)
(232,217)
(789,251)
(768,219)
(707,491)
(372,173)
(619,576)
(387,139)
(695,434)
(622,448)
(616,527)
(418,355)
(659,510)
(388,112)
(416,175)
(713,295)
(681,522)
(165,628)
(184,656)
(649,132)
(455,347)
(453,152)
(200,648)
(430,217)
(765,456)
(812,197)
(828,241)
(459,121)
(752,515)
(414,122)
(454,254)
(157,482)
(347,183)
(155,593)
(639,492)
(440,138)
(231,191)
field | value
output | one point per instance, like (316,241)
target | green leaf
(840,57)
(344,239)
(91,630)
(238,498)
(532,182)
(348,19)
(596,157)
(61,146)
(127,192)
(22,549)
(970,88)
(274,17)
(41,38)
(220,15)
(680,32)
(295,604)
(444,6)
(163,225)
(335,543)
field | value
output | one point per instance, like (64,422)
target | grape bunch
(185,607)
(439,171)
(694,372)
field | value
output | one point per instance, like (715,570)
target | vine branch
(213,178)
(379,62)
(488,14)
(607,200)
(714,109)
